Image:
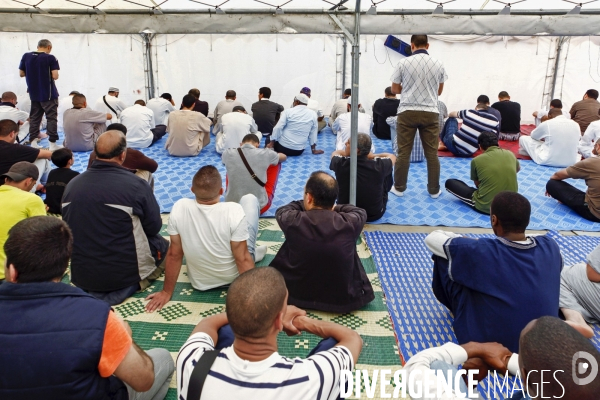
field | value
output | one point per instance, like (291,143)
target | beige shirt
(82,127)
(584,112)
(589,170)
(224,107)
(189,132)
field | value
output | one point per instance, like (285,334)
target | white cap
(302,98)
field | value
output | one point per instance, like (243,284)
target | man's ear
(11,273)
(493,220)
(221,191)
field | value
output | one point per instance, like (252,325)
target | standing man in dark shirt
(318,259)
(40,69)
(383,109)
(586,111)
(373,179)
(266,113)
(58,179)
(199,106)
(510,124)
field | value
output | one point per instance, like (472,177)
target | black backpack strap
(252,174)
(108,105)
(200,373)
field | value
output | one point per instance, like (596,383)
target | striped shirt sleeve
(190,353)
(328,365)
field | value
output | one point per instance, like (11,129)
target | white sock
(259,253)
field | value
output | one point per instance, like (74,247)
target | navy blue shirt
(38,67)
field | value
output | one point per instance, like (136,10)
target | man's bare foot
(442,147)
(585,330)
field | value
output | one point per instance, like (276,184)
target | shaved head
(254,300)
(9,96)
(110,144)
(78,100)
(207,183)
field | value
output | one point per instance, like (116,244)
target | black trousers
(571,197)
(38,109)
(159,131)
(288,152)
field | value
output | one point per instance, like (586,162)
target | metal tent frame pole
(354,103)
(150,88)
(344,51)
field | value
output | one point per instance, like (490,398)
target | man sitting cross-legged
(248,365)
(265,165)
(67,344)
(217,239)
(494,287)
(82,125)
(189,131)
(546,346)
(492,172)
(318,259)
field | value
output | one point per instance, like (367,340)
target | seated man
(542,115)
(462,141)
(553,143)
(58,179)
(217,239)
(318,259)
(247,365)
(483,102)
(142,129)
(189,131)
(373,177)
(161,107)
(199,105)
(116,222)
(494,287)
(135,161)
(266,113)
(232,129)
(82,125)
(9,110)
(225,106)
(16,202)
(64,104)
(11,153)
(314,105)
(546,344)
(493,172)
(510,124)
(591,136)
(586,204)
(256,174)
(383,109)
(339,107)
(82,350)
(342,127)
(580,293)
(296,125)
(111,104)
(586,111)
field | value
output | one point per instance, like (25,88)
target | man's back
(161,109)
(265,113)
(185,129)
(474,122)
(505,286)
(223,107)
(382,109)
(342,124)
(496,171)
(206,233)
(38,67)
(139,121)
(339,107)
(585,111)
(235,125)
(79,128)
(300,122)
(13,113)
(420,76)
(318,259)
(511,116)
(561,138)
(112,213)
(12,153)
(114,102)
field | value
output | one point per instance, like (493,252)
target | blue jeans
(251,208)
(447,136)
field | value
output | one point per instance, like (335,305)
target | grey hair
(44,43)
(363,144)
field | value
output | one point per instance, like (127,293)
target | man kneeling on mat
(246,364)
(494,287)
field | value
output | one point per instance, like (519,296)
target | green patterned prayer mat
(170,327)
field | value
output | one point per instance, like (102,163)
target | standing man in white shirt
(63,105)
(111,104)
(142,130)
(553,143)
(314,105)
(161,107)
(225,106)
(233,127)
(420,80)
(341,126)
(9,110)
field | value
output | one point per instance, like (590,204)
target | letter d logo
(590,365)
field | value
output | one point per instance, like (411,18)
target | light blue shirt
(295,125)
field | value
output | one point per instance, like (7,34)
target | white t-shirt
(341,127)
(116,103)
(233,127)
(139,121)
(206,233)
(275,378)
(161,109)
(13,113)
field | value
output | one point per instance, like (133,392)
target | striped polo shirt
(474,122)
(274,378)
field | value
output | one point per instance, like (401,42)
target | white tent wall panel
(582,70)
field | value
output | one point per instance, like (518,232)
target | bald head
(207,183)
(9,97)
(323,188)
(110,146)
(79,101)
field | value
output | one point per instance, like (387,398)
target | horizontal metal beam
(192,21)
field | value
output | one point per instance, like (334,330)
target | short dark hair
(483,99)
(592,93)
(552,344)
(554,112)
(238,108)
(44,43)
(167,96)
(140,102)
(503,95)
(556,103)
(363,144)
(388,91)
(8,96)
(73,92)
(265,91)
(78,99)
(188,100)
(254,300)
(230,93)
(117,127)
(195,92)
(116,150)
(323,188)
(348,92)
(39,248)
(206,183)
(7,126)
(513,211)
(419,40)
(487,140)
(61,157)
(250,138)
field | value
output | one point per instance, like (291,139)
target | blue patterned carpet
(173,180)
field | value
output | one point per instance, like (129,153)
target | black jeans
(159,131)
(288,152)
(571,197)
(38,109)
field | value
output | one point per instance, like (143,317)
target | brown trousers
(428,125)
